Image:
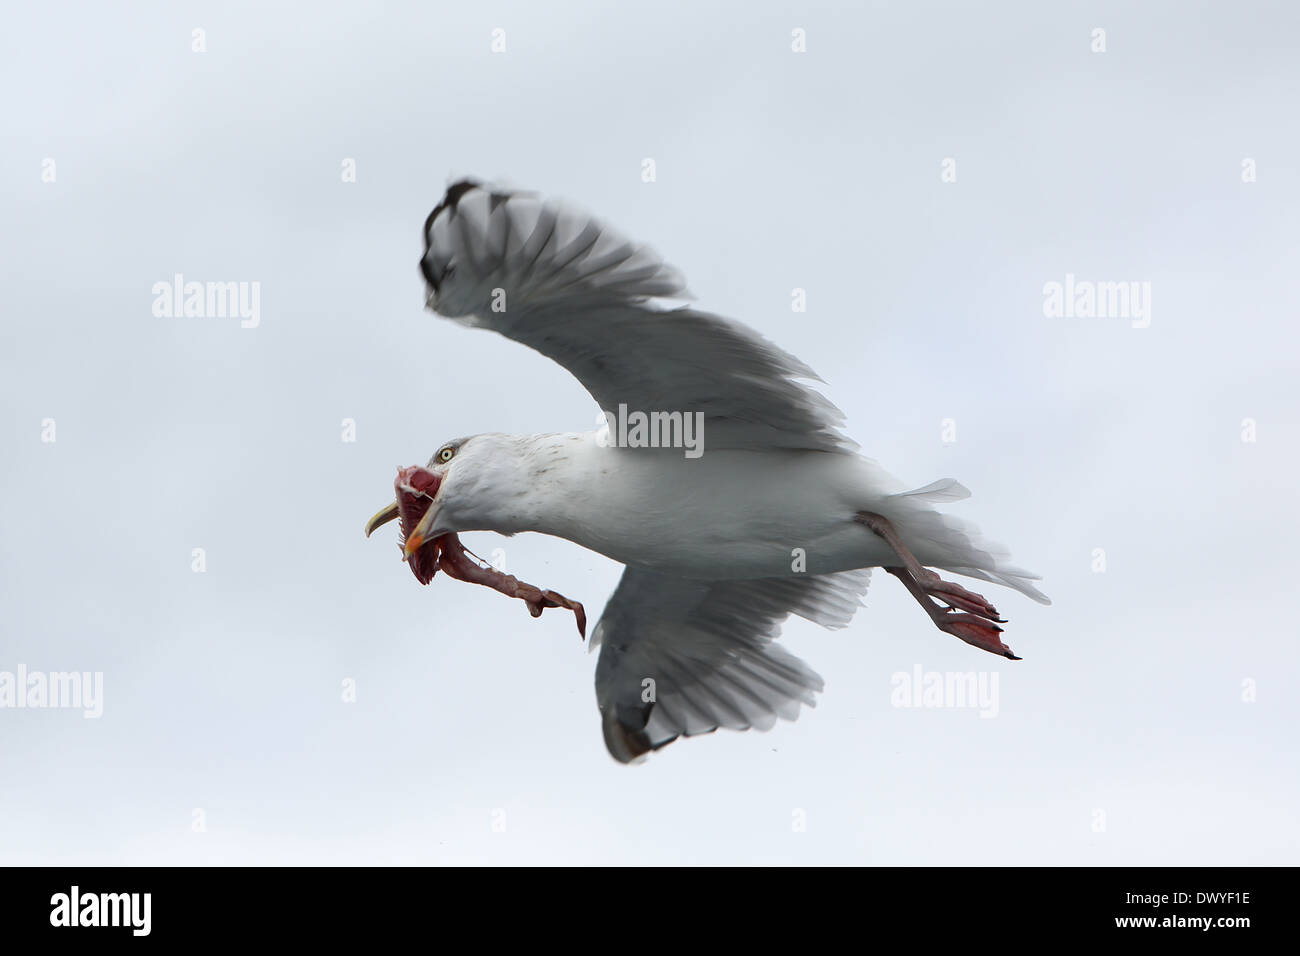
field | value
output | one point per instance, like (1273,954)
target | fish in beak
(416,514)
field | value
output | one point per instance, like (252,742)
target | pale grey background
(775,170)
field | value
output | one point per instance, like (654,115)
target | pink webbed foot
(978,627)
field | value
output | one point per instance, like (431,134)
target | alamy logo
(1085,299)
(636,429)
(208,300)
(37,690)
(946,690)
(102,909)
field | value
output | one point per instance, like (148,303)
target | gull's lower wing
(681,657)
(564,284)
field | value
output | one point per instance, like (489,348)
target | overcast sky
(1145,467)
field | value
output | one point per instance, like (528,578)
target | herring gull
(719,478)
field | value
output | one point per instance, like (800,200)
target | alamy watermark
(208,300)
(945,690)
(624,429)
(76,908)
(1085,299)
(37,690)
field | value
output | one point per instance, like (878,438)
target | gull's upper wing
(681,657)
(574,290)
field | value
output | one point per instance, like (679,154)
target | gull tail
(945,541)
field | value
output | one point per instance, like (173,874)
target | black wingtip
(456,190)
(449,201)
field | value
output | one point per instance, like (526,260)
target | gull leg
(977,628)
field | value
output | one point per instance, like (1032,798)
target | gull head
(468,484)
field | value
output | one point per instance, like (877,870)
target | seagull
(743,505)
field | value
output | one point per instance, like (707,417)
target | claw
(977,633)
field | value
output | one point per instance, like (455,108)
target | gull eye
(446,455)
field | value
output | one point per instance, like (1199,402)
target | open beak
(381,518)
(416,512)
(417,538)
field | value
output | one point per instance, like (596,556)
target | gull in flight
(744,505)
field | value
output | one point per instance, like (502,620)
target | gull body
(752,514)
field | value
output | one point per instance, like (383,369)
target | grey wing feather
(707,650)
(564,284)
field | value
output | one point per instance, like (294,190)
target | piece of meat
(416,488)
